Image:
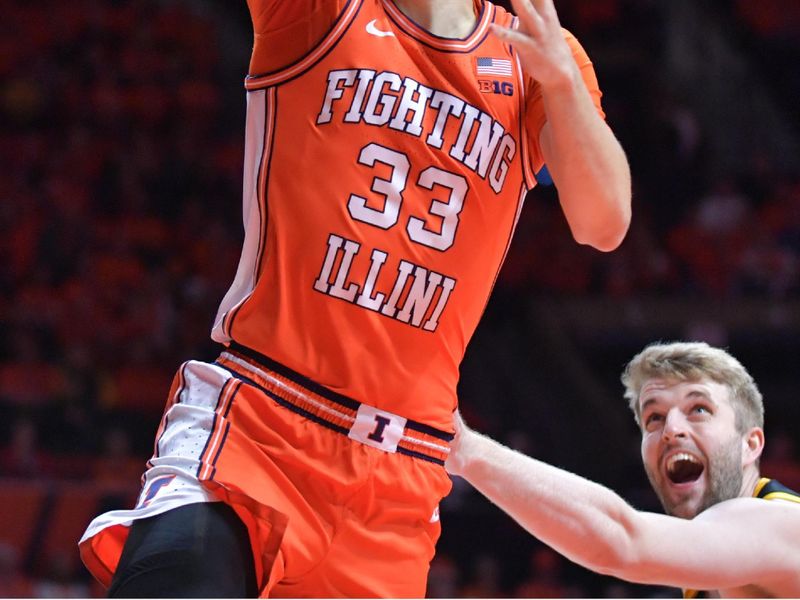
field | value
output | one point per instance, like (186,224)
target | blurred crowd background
(120,190)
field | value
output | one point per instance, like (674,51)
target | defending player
(389,147)
(701,417)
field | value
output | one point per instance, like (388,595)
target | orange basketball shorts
(340,499)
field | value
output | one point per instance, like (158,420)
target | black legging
(196,551)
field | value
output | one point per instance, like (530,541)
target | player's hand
(543,51)
(456,460)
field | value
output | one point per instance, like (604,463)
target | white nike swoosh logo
(372,30)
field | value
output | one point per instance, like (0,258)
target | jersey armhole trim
(312,57)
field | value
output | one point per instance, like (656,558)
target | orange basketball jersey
(385,169)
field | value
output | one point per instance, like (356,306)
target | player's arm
(285,31)
(584,158)
(735,543)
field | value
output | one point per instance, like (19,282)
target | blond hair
(692,361)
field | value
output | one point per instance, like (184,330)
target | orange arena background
(122,162)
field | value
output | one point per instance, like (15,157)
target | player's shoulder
(755,511)
(771,489)
(578,51)
(272,15)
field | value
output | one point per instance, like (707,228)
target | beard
(724,476)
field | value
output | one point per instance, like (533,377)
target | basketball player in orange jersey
(388,150)
(701,416)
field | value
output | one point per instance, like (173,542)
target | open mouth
(683,468)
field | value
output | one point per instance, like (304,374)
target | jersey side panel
(258,146)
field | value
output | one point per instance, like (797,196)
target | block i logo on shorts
(377,428)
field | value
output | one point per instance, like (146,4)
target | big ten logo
(488,86)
